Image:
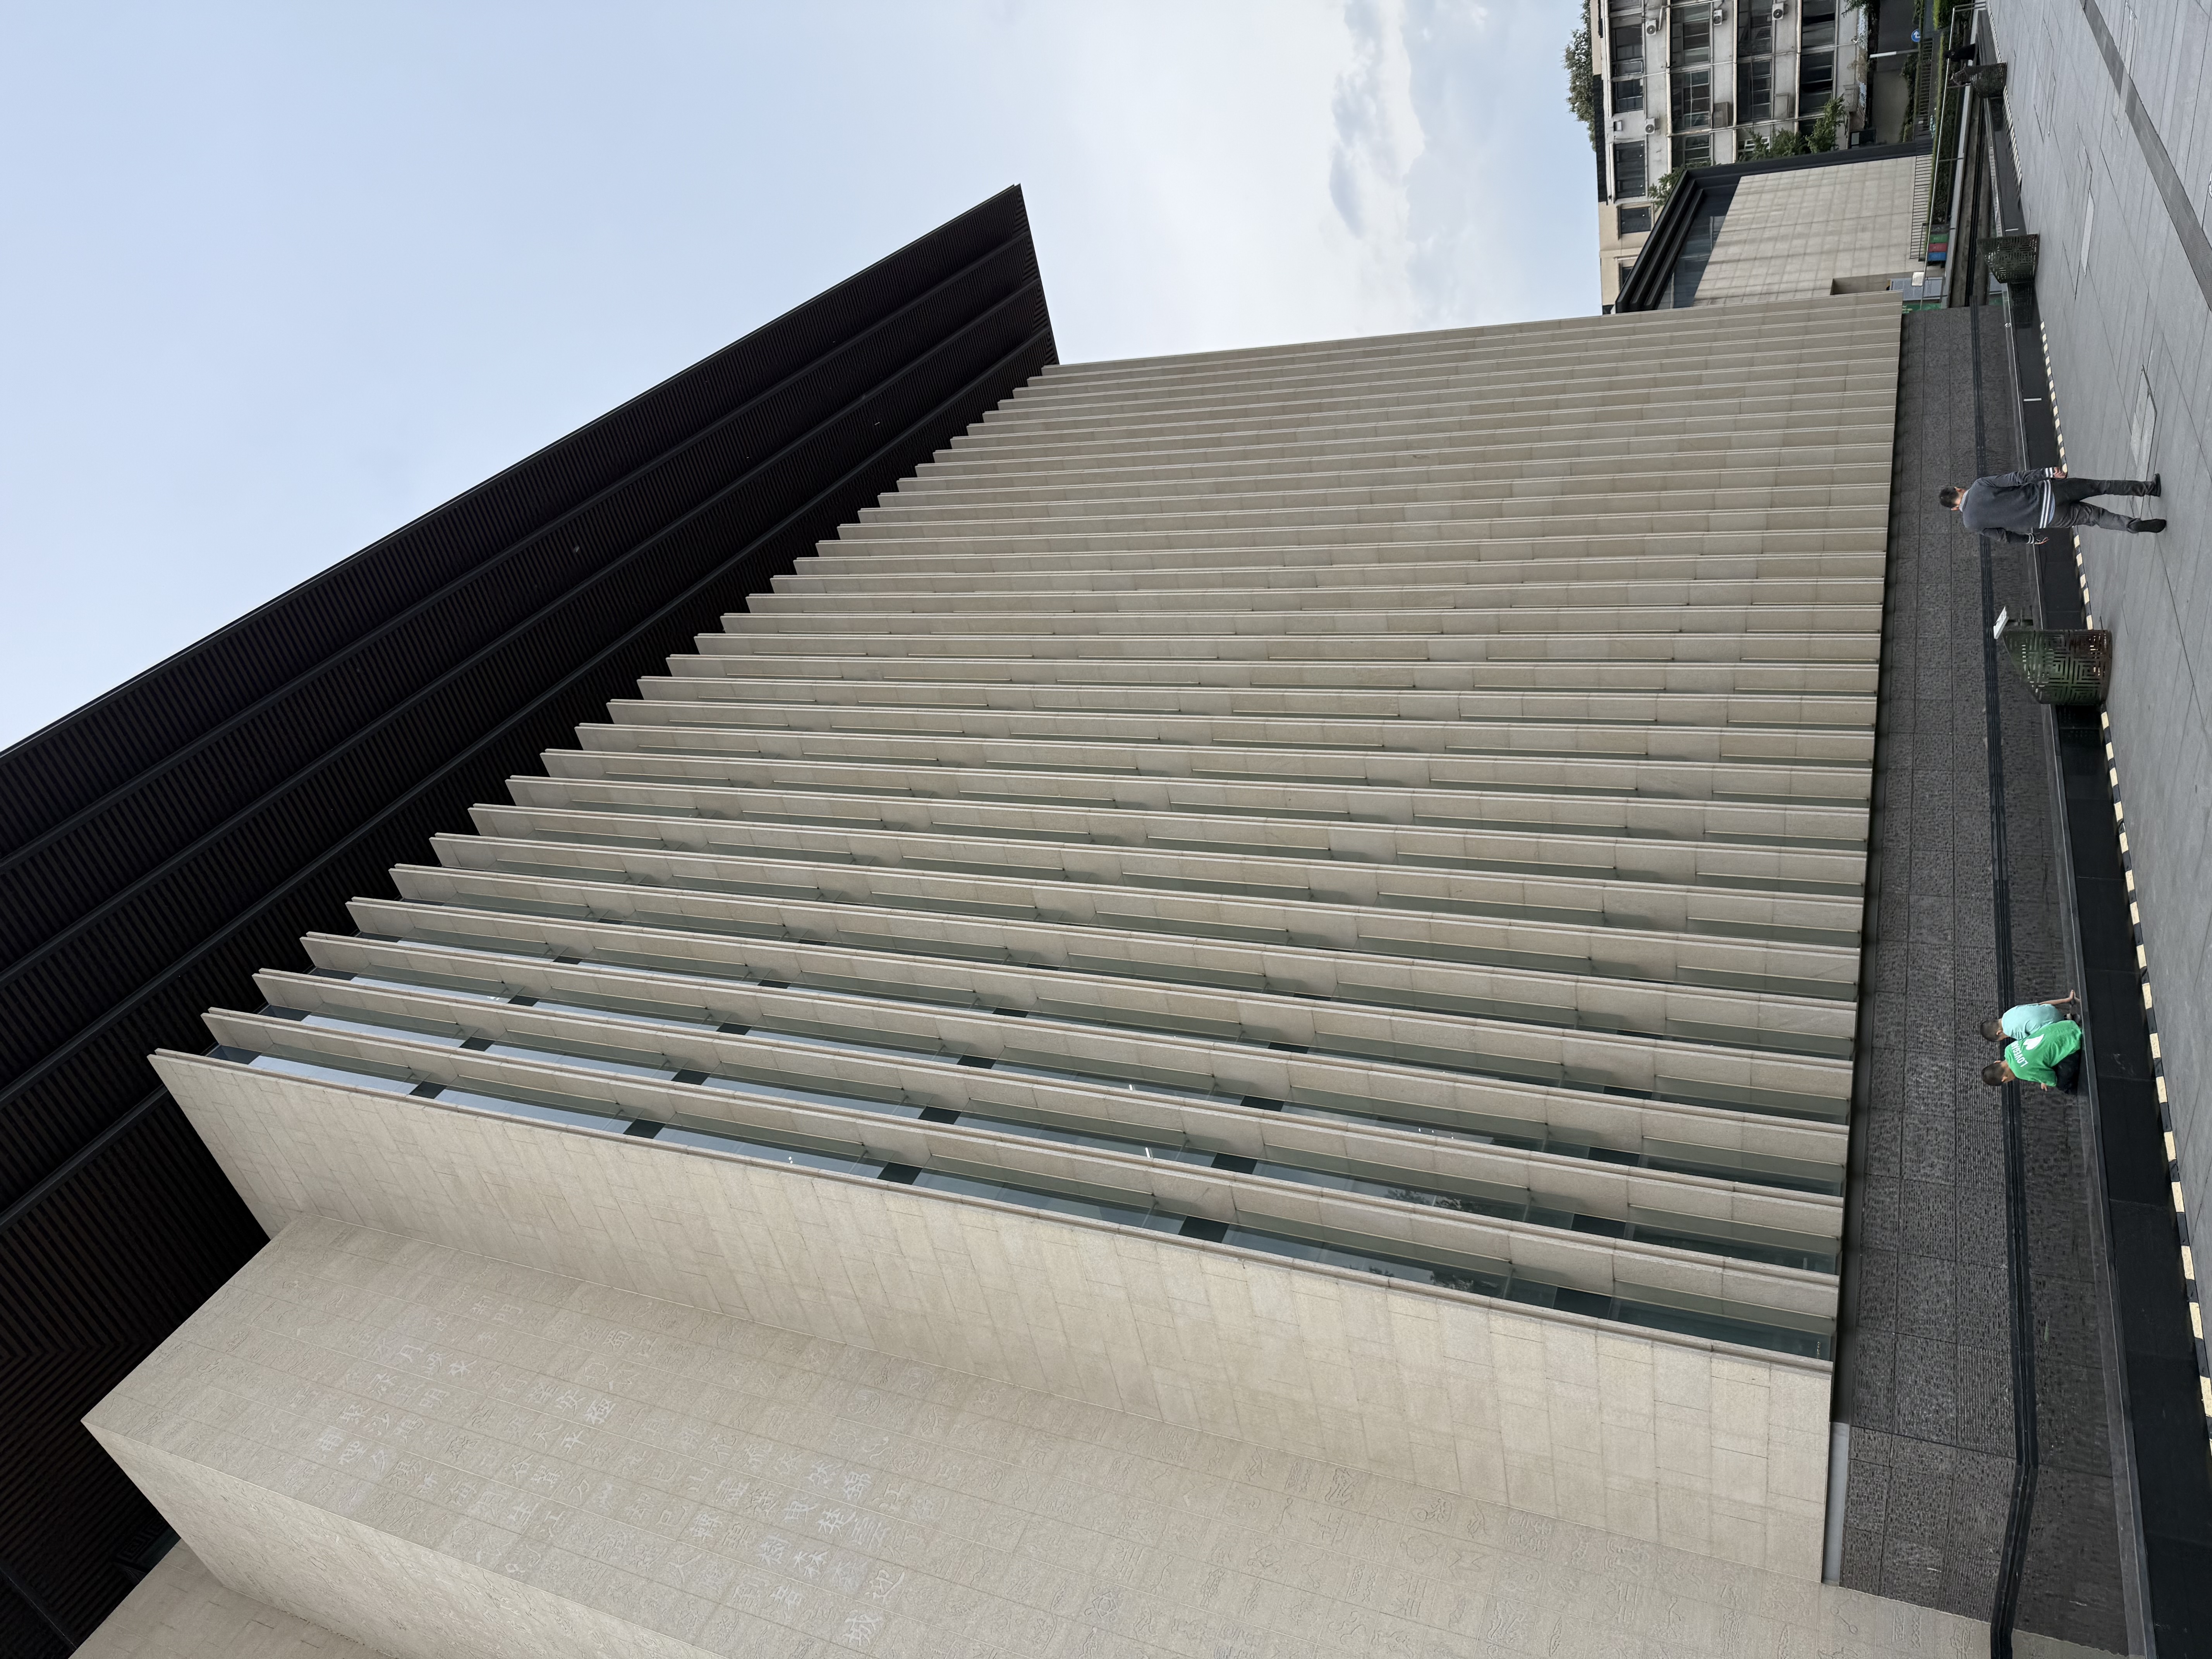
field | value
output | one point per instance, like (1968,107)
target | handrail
(1938,182)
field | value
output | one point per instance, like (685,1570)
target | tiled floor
(2129,318)
(733,1488)
(1926,1372)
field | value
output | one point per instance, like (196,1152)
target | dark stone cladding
(167,840)
(1925,1375)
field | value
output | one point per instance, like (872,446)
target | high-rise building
(1208,1004)
(166,840)
(1681,86)
(1791,228)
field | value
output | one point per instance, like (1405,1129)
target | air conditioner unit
(1620,125)
(1781,8)
(1651,126)
(1723,113)
(1651,26)
(1785,105)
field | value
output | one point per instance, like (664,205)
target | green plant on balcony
(1750,146)
(1581,81)
(1825,129)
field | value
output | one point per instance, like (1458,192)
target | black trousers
(2069,1072)
(2070,496)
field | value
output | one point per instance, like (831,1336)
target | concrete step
(1498,499)
(1539,803)
(1831,921)
(1816,429)
(1638,1097)
(1822,353)
(1202,746)
(1564,768)
(830,577)
(1530,461)
(1590,382)
(1742,864)
(1527,521)
(1552,945)
(1468,564)
(929,558)
(1603,1266)
(1848,744)
(1264,787)
(1589,669)
(1627,335)
(884,1048)
(1777,508)
(1623,590)
(1732,340)
(1811,632)
(1338,1059)
(1795,410)
(923,698)
(1073,492)
(1755,1021)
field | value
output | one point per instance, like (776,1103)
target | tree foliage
(1824,129)
(1582,90)
(1789,142)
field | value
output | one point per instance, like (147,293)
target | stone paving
(2115,151)
(1925,1373)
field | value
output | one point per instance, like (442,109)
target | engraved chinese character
(860,1628)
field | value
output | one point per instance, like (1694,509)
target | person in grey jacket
(2014,506)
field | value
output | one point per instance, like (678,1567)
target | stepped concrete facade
(1800,235)
(1228,1025)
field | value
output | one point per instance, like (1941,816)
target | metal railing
(1947,125)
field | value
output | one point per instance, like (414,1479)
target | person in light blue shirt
(2024,1021)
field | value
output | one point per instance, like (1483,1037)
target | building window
(1816,61)
(1626,266)
(1627,57)
(1817,78)
(1632,221)
(1694,149)
(1690,36)
(1694,99)
(1689,51)
(1754,65)
(1755,86)
(1628,170)
(1690,262)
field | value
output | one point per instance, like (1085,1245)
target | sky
(282,277)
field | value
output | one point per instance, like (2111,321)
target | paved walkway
(1924,1371)
(2114,140)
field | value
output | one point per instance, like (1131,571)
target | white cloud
(1378,139)
(403,244)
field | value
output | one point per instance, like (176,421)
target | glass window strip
(1514,1287)
(1777,1174)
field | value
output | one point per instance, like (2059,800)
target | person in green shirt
(2051,1057)
(2027,1019)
